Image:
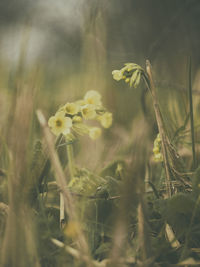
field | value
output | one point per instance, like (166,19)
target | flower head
(93,97)
(117,75)
(158,157)
(60,124)
(88,112)
(131,73)
(95,132)
(71,108)
(72,118)
(77,119)
(106,119)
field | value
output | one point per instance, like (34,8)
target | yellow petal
(93,97)
(94,133)
(117,75)
(106,119)
(71,108)
(88,112)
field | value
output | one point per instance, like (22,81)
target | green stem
(70,156)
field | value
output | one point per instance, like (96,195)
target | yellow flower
(77,119)
(94,133)
(156,150)
(60,124)
(130,73)
(158,138)
(106,119)
(117,75)
(157,141)
(88,112)
(93,97)
(71,108)
(158,157)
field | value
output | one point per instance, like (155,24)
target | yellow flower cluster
(158,157)
(131,73)
(71,118)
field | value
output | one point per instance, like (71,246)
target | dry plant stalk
(68,201)
(173,165)
(161,128)
(62,211)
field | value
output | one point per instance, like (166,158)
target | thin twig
(70,155)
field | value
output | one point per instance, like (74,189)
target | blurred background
(111,32)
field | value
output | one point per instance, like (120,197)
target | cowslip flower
(71,108)
(93,97)
(77,119)
(88,112)
(131,73)
(117,75)
(71,118)
(94,133)
(158,157)
(106,119)
(60,124)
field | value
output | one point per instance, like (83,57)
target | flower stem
(70,155)
(161,128)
